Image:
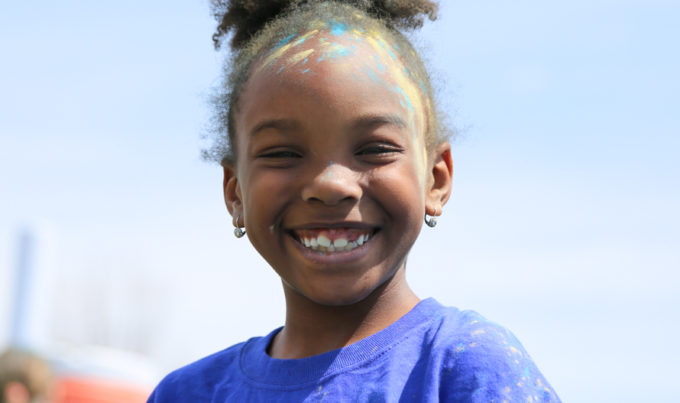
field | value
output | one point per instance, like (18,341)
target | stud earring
(238,231)
(431,221)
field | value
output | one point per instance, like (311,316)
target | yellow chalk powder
(300,56)
(281,50)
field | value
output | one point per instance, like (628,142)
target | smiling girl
(333,158)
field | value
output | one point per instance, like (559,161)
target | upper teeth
(323,243)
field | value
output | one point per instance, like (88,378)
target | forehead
(368,54)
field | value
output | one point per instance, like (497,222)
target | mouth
(333,240)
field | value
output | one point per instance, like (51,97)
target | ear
(439,183)
(232,193)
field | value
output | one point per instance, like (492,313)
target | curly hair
(256,26)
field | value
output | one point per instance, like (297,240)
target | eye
(279,157)
(379,149)
(279,154)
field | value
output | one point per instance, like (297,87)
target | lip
(333,225)
(334,258)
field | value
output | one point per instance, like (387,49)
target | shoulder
(198,380)
(483,361)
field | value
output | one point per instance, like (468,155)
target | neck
(312,329)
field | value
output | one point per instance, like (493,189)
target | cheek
(261,196)
(261,193)
(401,191)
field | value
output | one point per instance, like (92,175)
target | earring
(431,221)
(238,231)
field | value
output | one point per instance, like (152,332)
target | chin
(340,296)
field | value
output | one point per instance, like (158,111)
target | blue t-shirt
(431,354)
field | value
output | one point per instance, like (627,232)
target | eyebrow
(364,122)
(370,121)
(278,124)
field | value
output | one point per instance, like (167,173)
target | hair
(257,25)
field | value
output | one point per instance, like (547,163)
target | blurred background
(117,259)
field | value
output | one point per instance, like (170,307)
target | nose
(332,185)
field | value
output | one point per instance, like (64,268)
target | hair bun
(407,14)
(246,17)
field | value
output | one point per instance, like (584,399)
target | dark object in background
(24,377)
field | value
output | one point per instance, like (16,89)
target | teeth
(323,244)
(340,243)
(323,241)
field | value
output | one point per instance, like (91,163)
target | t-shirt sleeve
(179,387)
(152,398)
(196,382)
(164,391)
(486,363)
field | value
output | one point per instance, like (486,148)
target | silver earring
(431,221)
(238,231)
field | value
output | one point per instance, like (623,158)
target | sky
(563,225)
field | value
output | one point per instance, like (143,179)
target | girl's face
(332,177)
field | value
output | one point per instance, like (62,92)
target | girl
(333,154)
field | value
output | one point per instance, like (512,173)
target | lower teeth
(331,249)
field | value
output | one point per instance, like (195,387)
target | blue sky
(563,225)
